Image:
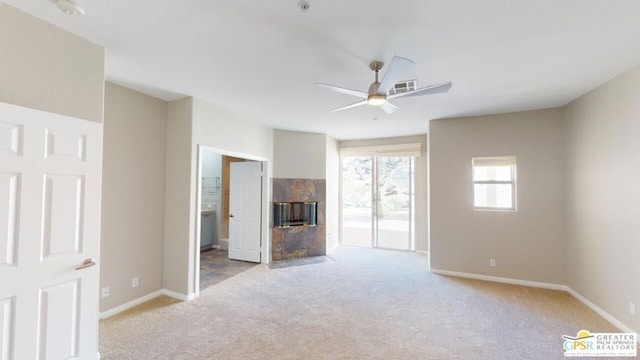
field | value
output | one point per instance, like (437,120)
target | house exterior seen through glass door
(357,210)
(378,201)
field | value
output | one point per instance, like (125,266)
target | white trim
(233,153)
(198,217)
(265,230)
(178,296)
(333,248)
(126,306)
(610,318)
(265,222)
(422,252)
(498,279)
(617,323)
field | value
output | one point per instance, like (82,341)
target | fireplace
(286,214)
(299,228)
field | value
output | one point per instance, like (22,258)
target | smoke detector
(69,7)
(304,5)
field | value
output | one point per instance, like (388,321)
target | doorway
(214,201)
(378,201)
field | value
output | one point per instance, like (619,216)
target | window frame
(488,161)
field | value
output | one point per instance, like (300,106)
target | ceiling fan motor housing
(373,88)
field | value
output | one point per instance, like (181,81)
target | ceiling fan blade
(389,108)
(428,90)
(359,94)
(359,103)
(396,71)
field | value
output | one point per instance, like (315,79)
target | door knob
(230,215)
(86,264)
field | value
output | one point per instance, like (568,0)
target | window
(494,183)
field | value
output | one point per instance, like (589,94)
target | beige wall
(603,262)
(192,122)
(179,205)
(46,68)
(332,211)
(421,178)
(231,134)
(132,194)
(222,130)
(299,155)
(528,244)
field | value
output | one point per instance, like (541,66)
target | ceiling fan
(378,94)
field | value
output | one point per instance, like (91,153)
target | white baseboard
(333,248)
(498,279)
(178,296)
(126,306)
(224,244)
(617,323)
(422,252)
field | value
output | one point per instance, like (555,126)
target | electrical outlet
(105,291)
(492,262)
(632,308)
(135,281)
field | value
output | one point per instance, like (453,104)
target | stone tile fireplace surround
(299,241)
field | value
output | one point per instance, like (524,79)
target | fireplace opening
(287,214)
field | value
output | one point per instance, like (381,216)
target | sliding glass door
(378,202)
(394,202)
(357,212)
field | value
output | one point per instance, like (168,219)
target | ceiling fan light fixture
(376,99)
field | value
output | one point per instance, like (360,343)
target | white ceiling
(259,58)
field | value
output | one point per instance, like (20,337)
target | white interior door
(50,186)
(245,198)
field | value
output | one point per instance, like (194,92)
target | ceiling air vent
(404,86)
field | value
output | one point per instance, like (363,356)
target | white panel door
(50,186)
(245,199)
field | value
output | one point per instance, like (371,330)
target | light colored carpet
(367,304)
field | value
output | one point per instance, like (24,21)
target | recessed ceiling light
(69,7)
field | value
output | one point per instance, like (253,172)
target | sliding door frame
(376,199)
